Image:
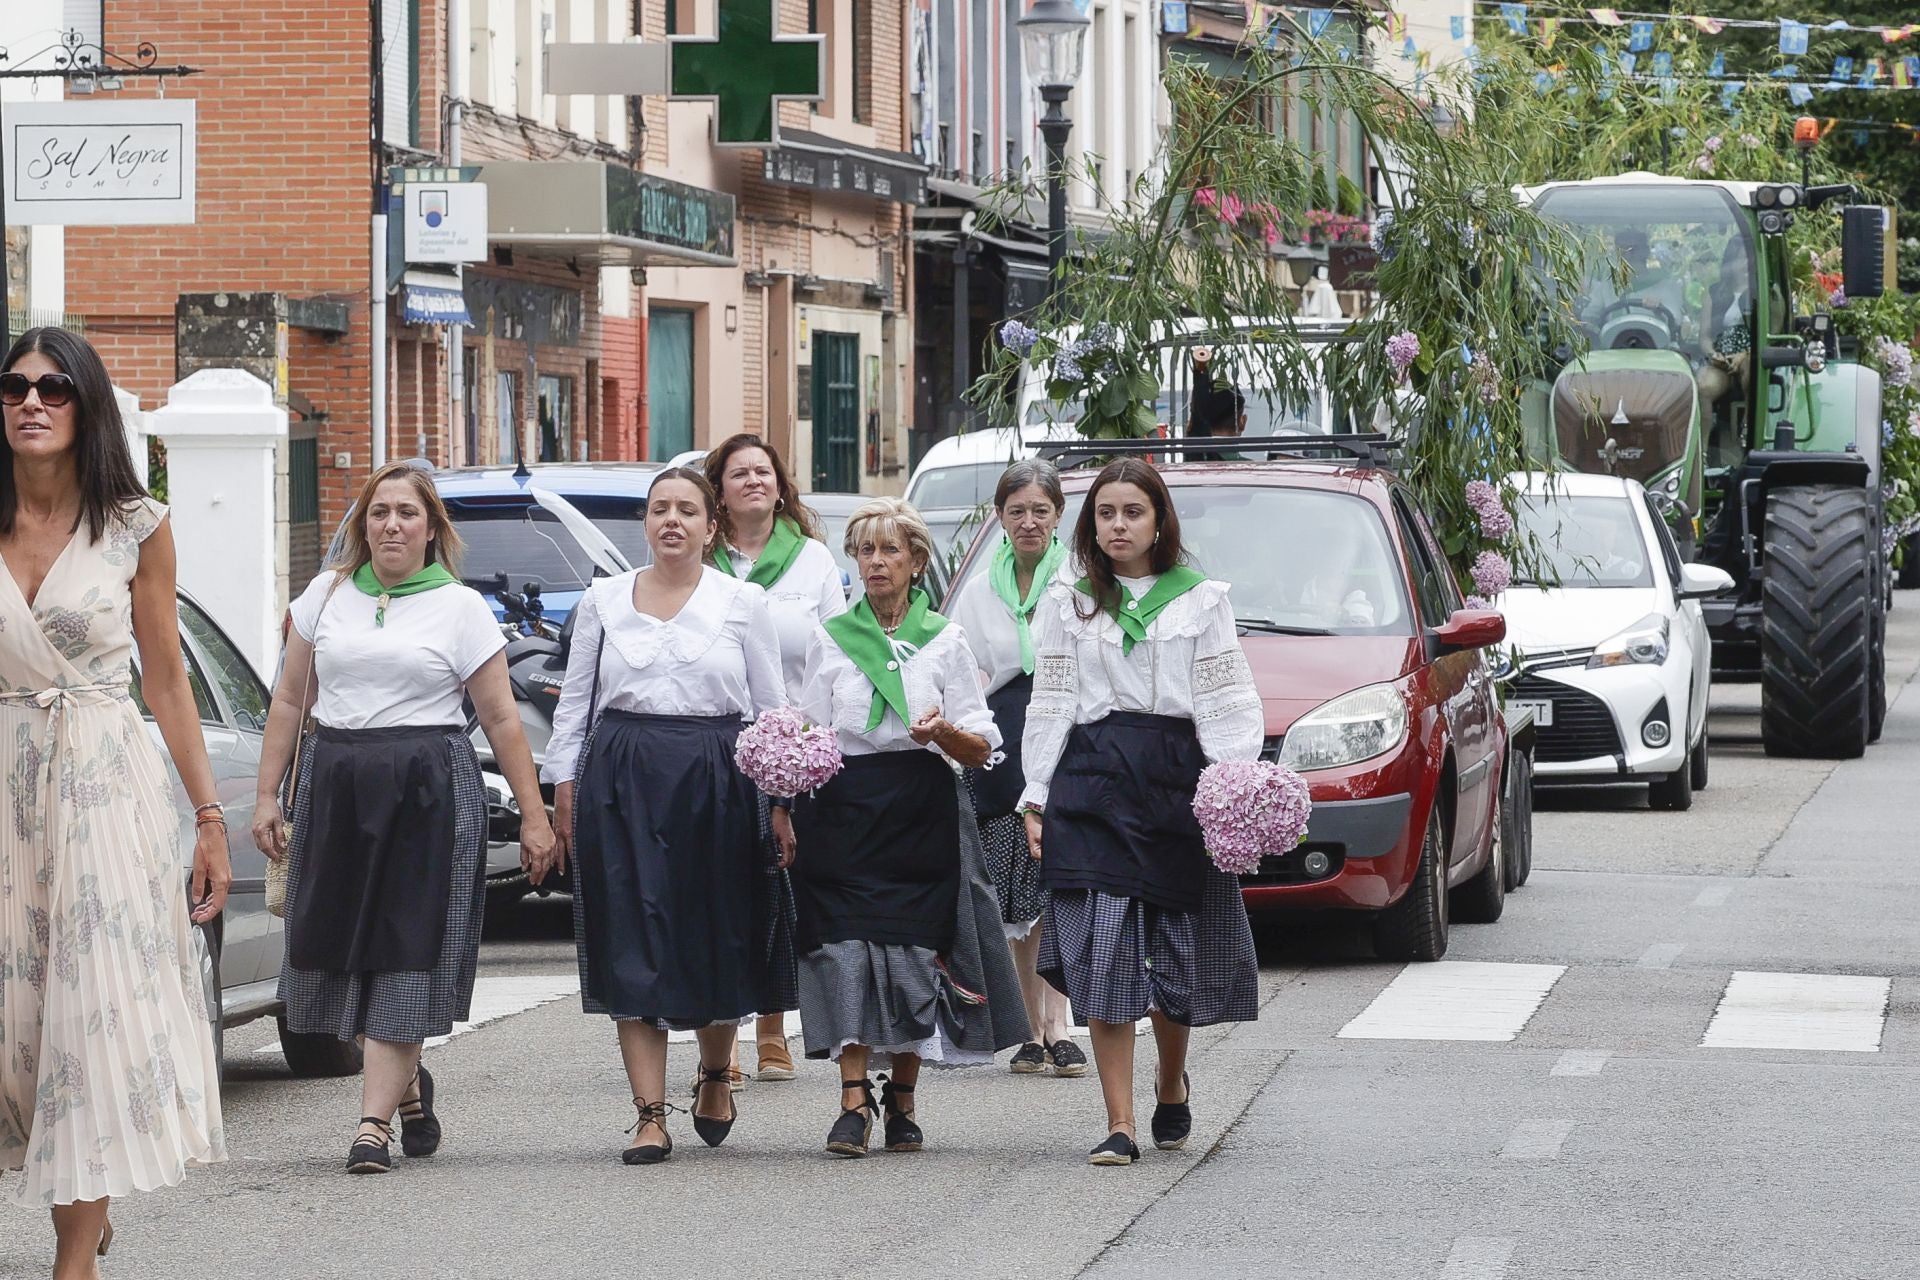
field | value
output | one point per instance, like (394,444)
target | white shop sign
(446,222)
(100,163)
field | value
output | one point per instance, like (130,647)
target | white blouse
(942,674)
(411,671)
(718,656)
(991,632)
(805,596)
(1190,665)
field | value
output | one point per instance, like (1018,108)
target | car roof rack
(1372,449)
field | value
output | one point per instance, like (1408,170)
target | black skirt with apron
(385,883)
(1137,915)
(996,800)
(901,947)
(680,912)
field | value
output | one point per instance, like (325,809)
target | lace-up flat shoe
(852,1132)
(1067,1059)
(902,1133)
(370,1152)
(1028,1060)
(714,1131)
(1173,1121)
(1117,1149)
(419,1127)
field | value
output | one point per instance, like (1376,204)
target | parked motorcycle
(537,649)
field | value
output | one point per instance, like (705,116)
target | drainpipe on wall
(457,39)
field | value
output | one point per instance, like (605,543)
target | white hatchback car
(1615,661)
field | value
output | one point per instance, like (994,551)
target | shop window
(506,415)
(555,414)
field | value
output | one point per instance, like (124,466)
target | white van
(1306,409)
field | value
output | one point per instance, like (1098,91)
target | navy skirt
(678,914)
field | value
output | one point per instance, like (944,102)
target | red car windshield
(1298,560)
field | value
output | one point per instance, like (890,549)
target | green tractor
(1747,424)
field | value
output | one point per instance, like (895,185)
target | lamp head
(1052,38)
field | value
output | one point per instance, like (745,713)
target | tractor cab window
(1668,268)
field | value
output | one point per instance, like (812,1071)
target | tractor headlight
(1645,642)
(1789,197)
(1352,727)
(1773,222)
(1669,485)
(1767,197)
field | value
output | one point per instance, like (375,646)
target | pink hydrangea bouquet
(784,755)
(1248,810)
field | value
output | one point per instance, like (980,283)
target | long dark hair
(1097,564)
(103,467)
(790,505)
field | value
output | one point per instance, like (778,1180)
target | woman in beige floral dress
(108,1082)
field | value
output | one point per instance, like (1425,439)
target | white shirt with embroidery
(718,656)
(806,595)
(941,674)
(1190,665)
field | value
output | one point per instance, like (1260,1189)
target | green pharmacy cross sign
(744,69)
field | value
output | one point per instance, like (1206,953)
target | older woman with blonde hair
(901,951)
(388,833)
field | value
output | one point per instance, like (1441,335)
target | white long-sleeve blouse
(1190,665)
(806,595)
(991,632)
(942,674)
(718,656)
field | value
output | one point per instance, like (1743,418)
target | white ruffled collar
(688,635)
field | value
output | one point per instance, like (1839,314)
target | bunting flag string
(1794,35)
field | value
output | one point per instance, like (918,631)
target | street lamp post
(1052,37)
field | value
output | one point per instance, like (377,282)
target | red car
(1376,686)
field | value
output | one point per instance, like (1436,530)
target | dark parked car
(1374,681)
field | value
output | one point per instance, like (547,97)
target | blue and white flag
(1843,68)
(1793,36)
(1718,67)
(1640,37)
(1457,27)
(1663,64)
(1516,17)
(1799,94)
(1317,20)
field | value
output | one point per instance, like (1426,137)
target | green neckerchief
(1000,576)
(434,575)
(775,558)
(1135,616)
(859,636)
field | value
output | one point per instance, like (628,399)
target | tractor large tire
(1816,627)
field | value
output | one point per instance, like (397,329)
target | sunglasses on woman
(56,389)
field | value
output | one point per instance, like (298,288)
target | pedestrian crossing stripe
(1823,1011)
(1456,1000)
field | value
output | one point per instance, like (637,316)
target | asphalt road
(1602,1138)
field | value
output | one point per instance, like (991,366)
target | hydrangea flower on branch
(1403,349)
(1018,337)
(1491,573)
(1496,522)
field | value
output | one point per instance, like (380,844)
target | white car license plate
(1542,709)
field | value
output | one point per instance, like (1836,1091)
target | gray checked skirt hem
(1116,957)
(400,1006)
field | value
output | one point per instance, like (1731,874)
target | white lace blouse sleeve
(1056,697)
(766,685)
(816,685)
(965,705)
(1227,714)
(573,714)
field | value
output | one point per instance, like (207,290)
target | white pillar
(222,427)
(136,425)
